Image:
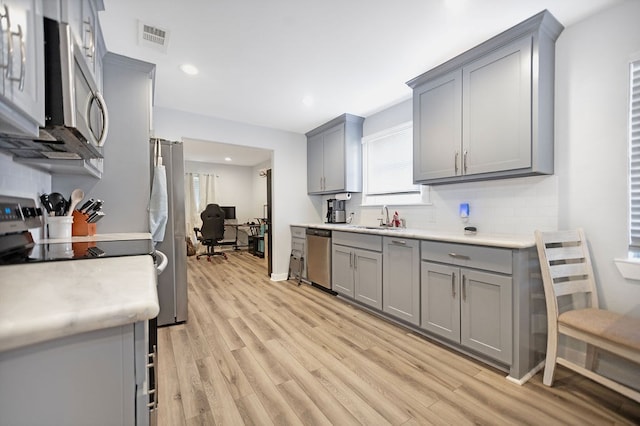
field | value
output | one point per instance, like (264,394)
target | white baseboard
(279,277)
(527,376)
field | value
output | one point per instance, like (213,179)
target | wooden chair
(567,276)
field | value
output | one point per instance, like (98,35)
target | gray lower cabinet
(469,307)
(357,267)
(93,378)
(401,278)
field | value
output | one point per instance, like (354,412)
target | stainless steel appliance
(172,283)
(76,118)
(319,257)
(336,211)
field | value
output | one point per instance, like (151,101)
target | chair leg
(552,354)
(592,357)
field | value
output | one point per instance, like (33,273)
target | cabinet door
(23,55)
(437,121)
(497,110)
(440,300)
(314,164)
(367,269)
(342,270)
(334,161)
(401,280)
(486,314)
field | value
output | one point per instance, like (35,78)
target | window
(388,168)
(634,156)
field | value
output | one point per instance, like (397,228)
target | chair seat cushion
(612,326)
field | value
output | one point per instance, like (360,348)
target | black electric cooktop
(47,252)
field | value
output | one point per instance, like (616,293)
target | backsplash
(510,206)
(22,181)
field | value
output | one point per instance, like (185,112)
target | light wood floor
(260,352)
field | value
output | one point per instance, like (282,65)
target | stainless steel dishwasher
(319,256)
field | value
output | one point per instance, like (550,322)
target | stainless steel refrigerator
(172,283)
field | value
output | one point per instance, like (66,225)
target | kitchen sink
(379,228)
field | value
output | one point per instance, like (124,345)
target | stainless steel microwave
(76,117)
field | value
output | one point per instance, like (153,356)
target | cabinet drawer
(298,232)
(479,257)
(363,241)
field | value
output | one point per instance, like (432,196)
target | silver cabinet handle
(89,44)
(464,287)
(355,261)
(23,57)
(459,256)
(5,30)
(350,259)
(453,285)
(455,162)
(399,242)
(464,161)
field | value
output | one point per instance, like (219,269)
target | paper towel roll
(343,196)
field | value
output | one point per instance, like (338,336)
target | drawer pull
(459,256)
(399,242)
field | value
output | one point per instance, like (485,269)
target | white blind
(634,157)
(388,162)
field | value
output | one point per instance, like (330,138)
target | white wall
(234,186)
(289,164)
(592,84)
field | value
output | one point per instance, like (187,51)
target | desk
(250,229)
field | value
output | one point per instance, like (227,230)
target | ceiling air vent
(153,36)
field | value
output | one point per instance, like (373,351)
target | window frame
(421,196)
(633,129)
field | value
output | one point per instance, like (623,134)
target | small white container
(59,226)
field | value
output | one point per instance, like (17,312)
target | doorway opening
(237,178)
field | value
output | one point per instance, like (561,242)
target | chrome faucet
(385,218)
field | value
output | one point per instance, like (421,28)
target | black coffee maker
(336,211)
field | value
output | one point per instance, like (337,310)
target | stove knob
(29,212)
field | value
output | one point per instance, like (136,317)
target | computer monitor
(229,212)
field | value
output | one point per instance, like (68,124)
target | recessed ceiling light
(307,100)
(227,158)
(189,69)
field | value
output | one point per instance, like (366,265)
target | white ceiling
(258,59)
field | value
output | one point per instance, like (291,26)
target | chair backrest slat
(569,270)
(565,253)
(571,287)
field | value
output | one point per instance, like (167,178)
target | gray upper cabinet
(22,66)
(334,156)
(401,278)
(488,113)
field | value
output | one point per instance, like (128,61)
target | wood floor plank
(194,400)
(169,396)
(276,406)
(258,352)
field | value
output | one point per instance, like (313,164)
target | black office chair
(212,230)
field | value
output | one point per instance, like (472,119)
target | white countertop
(44,301)
(101,237)
(481,239)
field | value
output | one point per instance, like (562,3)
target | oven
(17,246)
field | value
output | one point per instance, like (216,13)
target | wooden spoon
(76,196)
